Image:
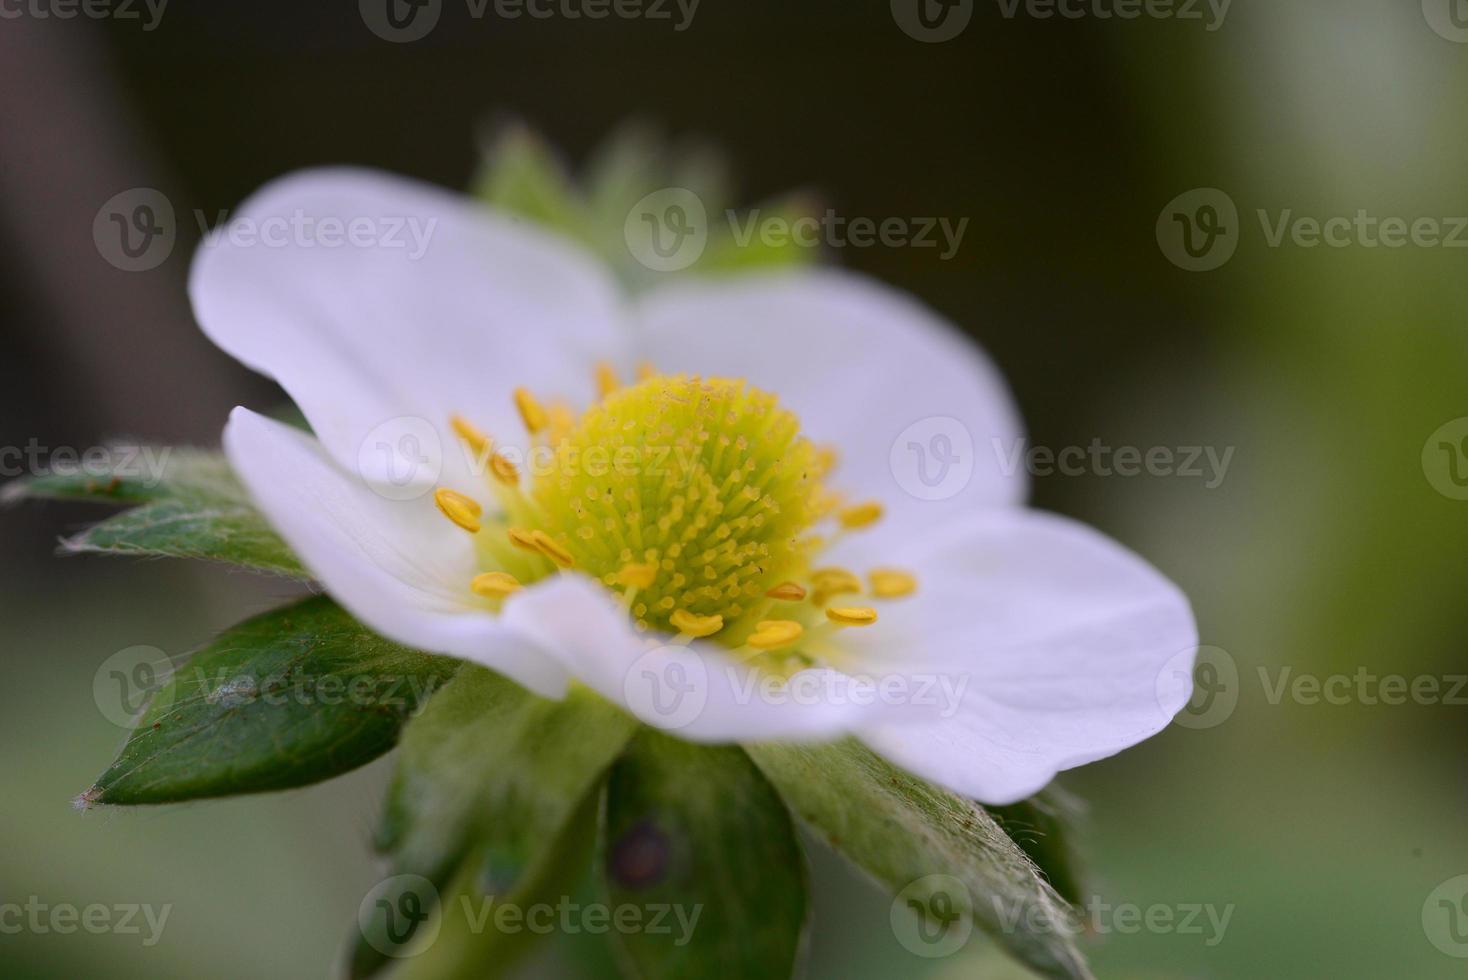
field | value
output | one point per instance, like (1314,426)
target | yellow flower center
(697,500)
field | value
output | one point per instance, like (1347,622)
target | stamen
(645,370)
(852,615)
(637,576)
(531,412)
(830,582)
(606,378)
(772,634)
(693,625)
(522,540)
(861,515)
(890,583)
(495,585)
(504,471)
(787,592)
(472,436)
(549,547)
(462,510)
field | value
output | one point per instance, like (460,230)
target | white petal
(397,566)
(1064,645)
(445,308)
(892,385)
(700,692)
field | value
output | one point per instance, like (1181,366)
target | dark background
(1326,549)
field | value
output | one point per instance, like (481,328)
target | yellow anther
(693,625)
(787,592)
(772,634)
(889,583)
(826,458)
(522,540)
(552,549)
(852,615)
(472,436)
(504,470)
(637,576)
(606,379)
(645,370)
(861,515)
(495,585)
(830,582)
(531,411)
(463,511)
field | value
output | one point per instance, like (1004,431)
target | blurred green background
(1326,549)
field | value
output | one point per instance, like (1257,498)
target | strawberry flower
(688,500)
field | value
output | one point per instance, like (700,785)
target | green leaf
(288,698)
(698,841)
(926,844)
(1043,827)
(491,768)
(192,507)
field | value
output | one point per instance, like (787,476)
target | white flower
(1008,644)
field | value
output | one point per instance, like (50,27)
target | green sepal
(491,770)
(696,840)
(923,843)
(191,506)
(285,699)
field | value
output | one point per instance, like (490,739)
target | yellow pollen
(504,470)
(645,371)
(693,625)
(861,515)
(637,576)
(606,379)
(787,592)
(771,634)
(548,546)
(707,481)
(852,615)
(472,435)
(462,510)
(531,412)
(889,583)
(495,585)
